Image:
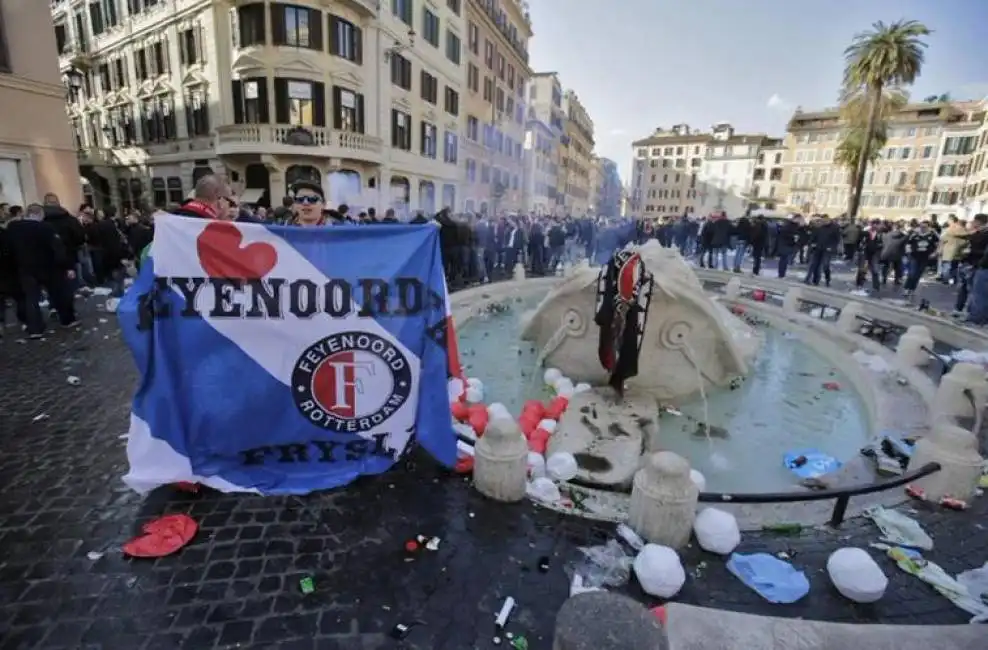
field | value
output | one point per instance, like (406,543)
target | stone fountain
(691,344)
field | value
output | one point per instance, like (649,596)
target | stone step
(700,628)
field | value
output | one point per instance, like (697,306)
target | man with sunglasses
(309,203)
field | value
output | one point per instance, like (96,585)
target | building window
(401,72)
(250,19)
(401,131)
(403,9)
(346,40)
(348,110)
(299,102)
(473,128)
(296,26)
(158,122)
(430,87)
(473,77)
(452,101)
(190,45)
(430,28)
(488,54)
(428,148)
(196,113)
(123,130)
(96,18)
(488,89)
(250,101)
(176,194)
(450,147)
(120,79)
(453,47)
(454,6)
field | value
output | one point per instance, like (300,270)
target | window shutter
(319,104)
(422,140)
(337,107)
(315,29)
(334,34)
(183,58)
(394,128)
(358,45)
(200,34)
(359,103)
(278,35)
(282,114)
(237,88)
(262,99)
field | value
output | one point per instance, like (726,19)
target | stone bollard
(519,271)
(733,289)
(790,303)
(952,399)
(849,322)
(500,469)
(910,348)
(601,620)
(663,500)
(956,450)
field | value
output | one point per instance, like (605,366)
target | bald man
(207,199)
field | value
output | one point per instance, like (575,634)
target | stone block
(601,621)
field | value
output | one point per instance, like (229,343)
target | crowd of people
(48,252)
(879,252)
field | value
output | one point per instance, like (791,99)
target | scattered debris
(899,529)
(94,555)
(162,536)
(505,612)
(307,585)
(73,380)
(39,417)
(401,630)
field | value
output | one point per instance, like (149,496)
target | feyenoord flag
(285,360)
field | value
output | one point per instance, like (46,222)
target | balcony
(368,8)
(238,139)
(94,156)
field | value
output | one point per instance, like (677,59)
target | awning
(251,195)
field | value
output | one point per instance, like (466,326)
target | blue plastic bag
(810,463)
(773,579)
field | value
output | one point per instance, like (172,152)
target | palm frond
(886,55)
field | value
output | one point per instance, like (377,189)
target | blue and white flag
(284,360)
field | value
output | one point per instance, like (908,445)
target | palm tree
(888,56)
(937,99)
(855,113)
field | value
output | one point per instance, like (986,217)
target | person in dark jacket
(42,264)
(893,250)
(115,250)
(758,240)
(786,242)
(740,239)
(825,238)
(975,259)
(69,230)
(10,287)
(921,244)
(869,253)
(138,236)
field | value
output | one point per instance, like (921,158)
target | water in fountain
(715,456)
(781,406)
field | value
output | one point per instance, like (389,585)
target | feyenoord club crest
(351,382)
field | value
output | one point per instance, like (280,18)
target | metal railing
(842,495)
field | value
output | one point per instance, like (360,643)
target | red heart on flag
(222,255)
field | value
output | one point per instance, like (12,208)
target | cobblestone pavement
(64,514)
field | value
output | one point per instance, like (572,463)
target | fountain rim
(467,303)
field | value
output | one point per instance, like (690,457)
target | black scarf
(624,291)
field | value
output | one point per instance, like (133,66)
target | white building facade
(541,168)
(268,94)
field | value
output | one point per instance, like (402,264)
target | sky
(641,64)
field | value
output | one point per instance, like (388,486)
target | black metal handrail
(842,495)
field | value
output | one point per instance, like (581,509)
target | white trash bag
(561,466)
(659,571)
(717,531)
(548,425)
(582,387)
(699,480)
(536,465)
(544,490)
(551,376)
(474,395)
(856,575)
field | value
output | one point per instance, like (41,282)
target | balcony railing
(258,138)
